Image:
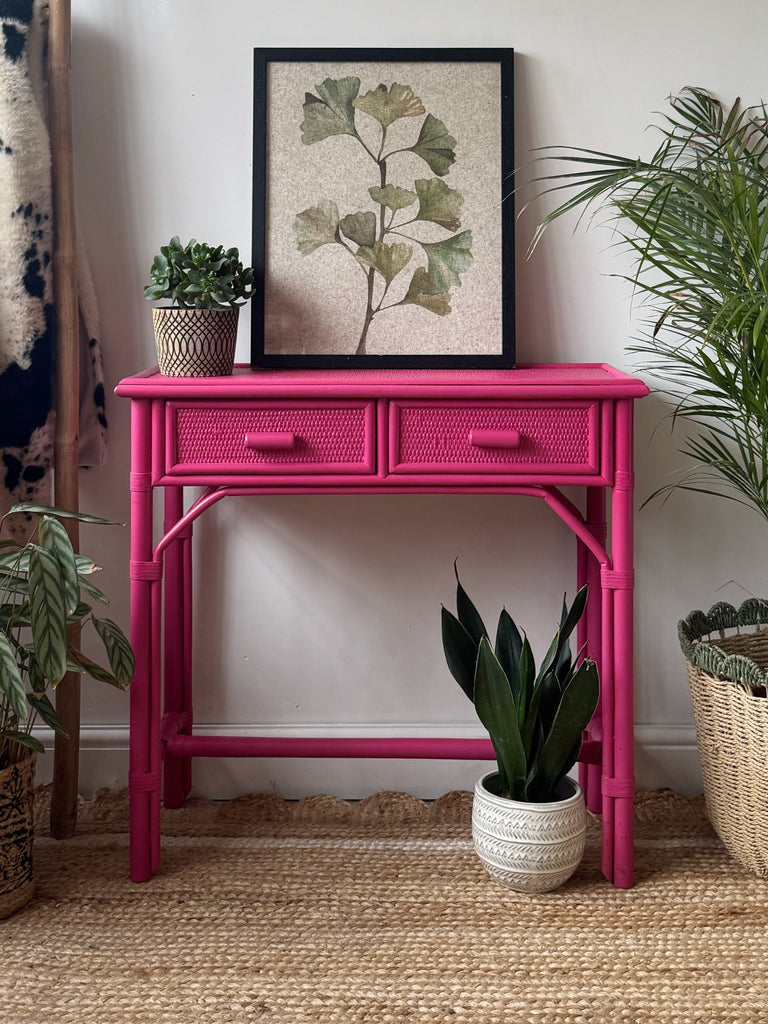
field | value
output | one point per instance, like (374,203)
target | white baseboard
(665,755)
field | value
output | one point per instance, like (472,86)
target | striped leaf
(54,538)
(24,738)
(11,684)
(47,712)
(118,649)
(94,670)
(48,614)
(30,508)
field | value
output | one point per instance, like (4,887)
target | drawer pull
(270,440)
(495,438)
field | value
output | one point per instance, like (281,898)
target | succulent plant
(535,720)
(199,276)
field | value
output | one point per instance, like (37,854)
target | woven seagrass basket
(16,835)
(726,654)
(195,342)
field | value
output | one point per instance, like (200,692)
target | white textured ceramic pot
(195,342)
(529,847)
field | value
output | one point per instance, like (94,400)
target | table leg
(623,783)
(177,703)
(144,774)
(593,638)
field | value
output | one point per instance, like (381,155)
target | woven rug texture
(378,912)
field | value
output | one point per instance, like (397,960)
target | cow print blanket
(27,312)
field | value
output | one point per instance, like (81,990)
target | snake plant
(44,591)
(694,222)
(535,719)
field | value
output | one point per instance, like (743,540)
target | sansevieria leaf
(496,710)
(48,614)
(11,684)
(118,649)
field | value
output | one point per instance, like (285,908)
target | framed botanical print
(383,213)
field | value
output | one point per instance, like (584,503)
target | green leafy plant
(43,584)
(535,719)
(366,234)
(694,221)
(199,276)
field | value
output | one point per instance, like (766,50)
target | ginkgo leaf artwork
(383,223)
(400,267)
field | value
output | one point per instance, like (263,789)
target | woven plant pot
(195,342)
(529,847)
(16,835)
(726,653)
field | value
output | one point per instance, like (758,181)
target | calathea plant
(535,719)
(199,276)
(44,589)
(382,240)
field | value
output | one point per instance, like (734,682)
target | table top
(531,380)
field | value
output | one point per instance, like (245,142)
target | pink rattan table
(528,431)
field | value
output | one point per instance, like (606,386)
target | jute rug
(323,912)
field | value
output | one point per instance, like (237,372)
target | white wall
(325,610)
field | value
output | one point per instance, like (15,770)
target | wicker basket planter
(726,653)
(195,342)
(16,835)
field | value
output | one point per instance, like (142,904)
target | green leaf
(509,645)
(319,225)
(118,649)
(435,146)
(331,112)
(497,711)
(439,204)
(419,294)
(93,591)
(390,104)
(93,669)
(24,738)
(54,538)
(392,196)
(387,260)
(527,670)
(62,513)
(360,227)
(576,707)
(48,614)
(460,652)
(446,260)
(11,684)
(47,712)
(469,616)
(85,566)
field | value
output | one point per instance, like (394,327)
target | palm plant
(694,221)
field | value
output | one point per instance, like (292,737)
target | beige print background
(316,303)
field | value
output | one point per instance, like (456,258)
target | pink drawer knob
(270,440)
(494,438)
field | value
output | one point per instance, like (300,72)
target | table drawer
(494,437)
(282,437)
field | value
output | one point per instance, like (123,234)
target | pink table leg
(144,774)
(597,527)
(176,677)
(622,785)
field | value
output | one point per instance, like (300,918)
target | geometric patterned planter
(16,835)
(195,342)
(529,847)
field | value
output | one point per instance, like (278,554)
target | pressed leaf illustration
(384,240)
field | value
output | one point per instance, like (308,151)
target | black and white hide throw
(27,312)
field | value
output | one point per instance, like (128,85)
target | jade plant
(45,590)
(535,719)
(382,240)
(199,276)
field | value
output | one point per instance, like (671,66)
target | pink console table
(527,431)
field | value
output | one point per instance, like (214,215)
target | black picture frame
(290,119)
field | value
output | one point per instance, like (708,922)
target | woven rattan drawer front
(494,437)
(281,437)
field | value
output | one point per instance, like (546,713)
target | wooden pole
(67,386)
